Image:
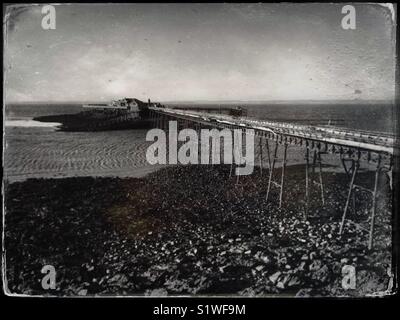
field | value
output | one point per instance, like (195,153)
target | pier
(352,147)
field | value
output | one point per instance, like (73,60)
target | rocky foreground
(192,230)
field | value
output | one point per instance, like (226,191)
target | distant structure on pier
(126,113)
(238,112)
(131,106)
(235,112)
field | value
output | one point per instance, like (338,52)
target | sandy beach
(47,153)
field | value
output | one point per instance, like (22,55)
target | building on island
(126,106)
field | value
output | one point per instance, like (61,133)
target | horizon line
(392,100)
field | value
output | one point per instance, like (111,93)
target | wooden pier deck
(327,138)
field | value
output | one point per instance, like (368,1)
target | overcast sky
(174,52)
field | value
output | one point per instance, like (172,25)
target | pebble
(275,276)
(204,227)
(82,292)
(259,268)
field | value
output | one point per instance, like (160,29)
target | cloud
(221,51)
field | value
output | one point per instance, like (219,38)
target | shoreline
(83,122)
(136,172)
(142,168)
(189,230)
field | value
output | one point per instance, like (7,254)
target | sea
(34,149)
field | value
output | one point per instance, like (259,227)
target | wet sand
(48,153)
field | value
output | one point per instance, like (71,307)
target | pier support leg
(197,125)
(374,195)
(307,158)
(269,155)
(271,171)
(233,152)
(355,166)
(212,150)
(261,156)
(240,154)
(283,175)
(314,161)
(349,171)
(321,183)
